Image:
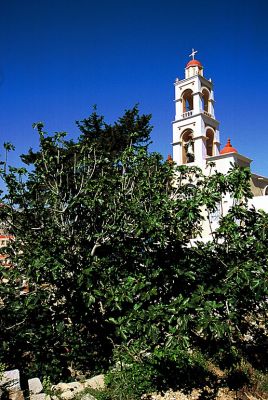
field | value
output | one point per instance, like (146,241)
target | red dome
(170,159)
(228,148)
(194,63)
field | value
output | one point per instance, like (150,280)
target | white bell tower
(195,129)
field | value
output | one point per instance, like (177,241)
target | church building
(196,137)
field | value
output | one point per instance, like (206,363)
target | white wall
(259,202)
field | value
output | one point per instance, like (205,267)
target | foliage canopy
(103,233)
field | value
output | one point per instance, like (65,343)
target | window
(209,142)
(187,147)
(205,99)
(187,100)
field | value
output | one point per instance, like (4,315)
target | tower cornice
(205,117)
(185,81)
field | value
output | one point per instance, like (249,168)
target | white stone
(68,390)
(97,382)
(39,396)
(68,395)
(35,386)
(87,396)
(11,380)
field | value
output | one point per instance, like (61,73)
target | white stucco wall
(260,203)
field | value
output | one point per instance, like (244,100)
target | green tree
(65,209)
(103,234)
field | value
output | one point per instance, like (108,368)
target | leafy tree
(104,233)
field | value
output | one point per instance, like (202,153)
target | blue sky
(60,57)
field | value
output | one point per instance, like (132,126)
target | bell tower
(195,129)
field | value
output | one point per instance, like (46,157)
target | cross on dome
(193,63)
(193,53)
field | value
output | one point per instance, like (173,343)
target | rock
(97,382)
(35,386)
(68,390)
(87,396)
(40,396)
(81,378)
(15,395)
(11,380)
(68,395)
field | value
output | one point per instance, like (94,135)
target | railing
(190,113)
(187,114)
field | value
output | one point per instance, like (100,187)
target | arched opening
(187,100)
(265,191)
(187,147)
(209,142)
(205,99)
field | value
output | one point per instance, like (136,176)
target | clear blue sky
(60,57)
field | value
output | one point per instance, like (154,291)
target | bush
(103,231)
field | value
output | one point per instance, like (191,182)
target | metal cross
(193,53)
